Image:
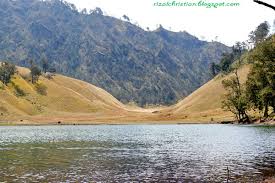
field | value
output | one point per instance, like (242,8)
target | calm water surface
(136,153)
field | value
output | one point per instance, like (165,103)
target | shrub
(41,88)
(35,73)
(18,91)
(1,86)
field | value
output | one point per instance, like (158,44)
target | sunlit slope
(73,101)
(205,103)
(63,95)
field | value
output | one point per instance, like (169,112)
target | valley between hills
(88,97)
(71,101)
(110,70)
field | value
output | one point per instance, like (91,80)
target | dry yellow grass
(64,95)
(204,104)
(73,101)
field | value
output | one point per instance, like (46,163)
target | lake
(136,153)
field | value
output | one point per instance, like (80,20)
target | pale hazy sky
(230,24)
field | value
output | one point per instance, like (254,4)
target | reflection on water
(148,153)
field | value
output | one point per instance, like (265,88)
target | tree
(261,79)
(235,98)
(45,65)
(214,69)
(125,17)
(98,11)
(228,58)
(260,33)
(238,49)
(35,73)
(265,4)
(84,11)
(6,71)
(226,61)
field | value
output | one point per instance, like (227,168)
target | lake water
(137,153)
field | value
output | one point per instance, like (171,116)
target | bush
(35,73)
(18,91)
(1,86)
(41,88)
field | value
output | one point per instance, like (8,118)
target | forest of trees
(258,92)
(228,58)
(134,65)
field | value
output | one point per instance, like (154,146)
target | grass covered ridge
(71,101)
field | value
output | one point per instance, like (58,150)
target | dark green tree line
(227,59)
(255,37)
(258,92)
(261,79)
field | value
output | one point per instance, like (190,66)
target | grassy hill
(71,101)
(134,65)
(204,105)
(65,99)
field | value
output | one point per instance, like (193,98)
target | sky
(224,24)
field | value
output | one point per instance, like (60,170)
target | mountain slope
(205,104)
(73,101)
(147,67)
(63,97)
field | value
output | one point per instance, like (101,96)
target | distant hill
(146,67)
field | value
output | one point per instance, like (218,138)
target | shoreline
(115,123)
(102,123)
